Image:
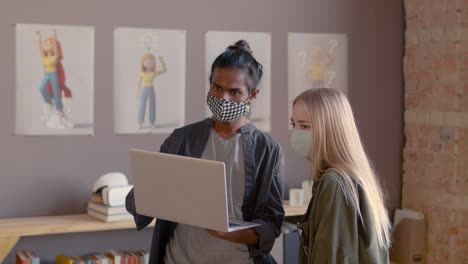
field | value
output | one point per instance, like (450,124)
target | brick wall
(435,168)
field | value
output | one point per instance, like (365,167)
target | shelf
(12,229)
(61,224)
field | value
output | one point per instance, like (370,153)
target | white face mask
(301,142)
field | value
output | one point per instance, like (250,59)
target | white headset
(111,179)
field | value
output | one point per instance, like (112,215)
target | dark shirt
(263,195)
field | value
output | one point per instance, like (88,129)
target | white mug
(296,197)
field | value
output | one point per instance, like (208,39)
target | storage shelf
(12,229)
(60,224)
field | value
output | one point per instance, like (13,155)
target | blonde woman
(346,221)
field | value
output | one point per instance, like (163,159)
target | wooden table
(12,229)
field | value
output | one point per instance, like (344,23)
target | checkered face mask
(225,110)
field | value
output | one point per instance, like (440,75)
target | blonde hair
(145,57)
(59,47)
(336,145)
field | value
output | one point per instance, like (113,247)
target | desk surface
(11,229)
(77,223)
(58,224)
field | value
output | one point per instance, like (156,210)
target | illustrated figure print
(53,89)
(319,73)
(146,89)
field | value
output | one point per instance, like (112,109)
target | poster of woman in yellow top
(54,80)
(145,89)
(53,86)
(316,61)
(320,63)
(149,80)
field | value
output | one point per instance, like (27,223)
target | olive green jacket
(332,230)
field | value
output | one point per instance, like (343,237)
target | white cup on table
(296,197)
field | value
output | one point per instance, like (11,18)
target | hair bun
(242,45)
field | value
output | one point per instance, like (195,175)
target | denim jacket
(263,196)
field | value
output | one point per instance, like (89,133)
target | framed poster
(316,61)
(54,79)
(149,80)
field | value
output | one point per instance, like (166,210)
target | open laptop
(183,190)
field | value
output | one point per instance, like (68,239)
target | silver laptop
(183,190)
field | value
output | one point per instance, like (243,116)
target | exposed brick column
(435,168)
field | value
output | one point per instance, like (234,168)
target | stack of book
(111,257)
(27,257)
(108,213)
(109,206)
